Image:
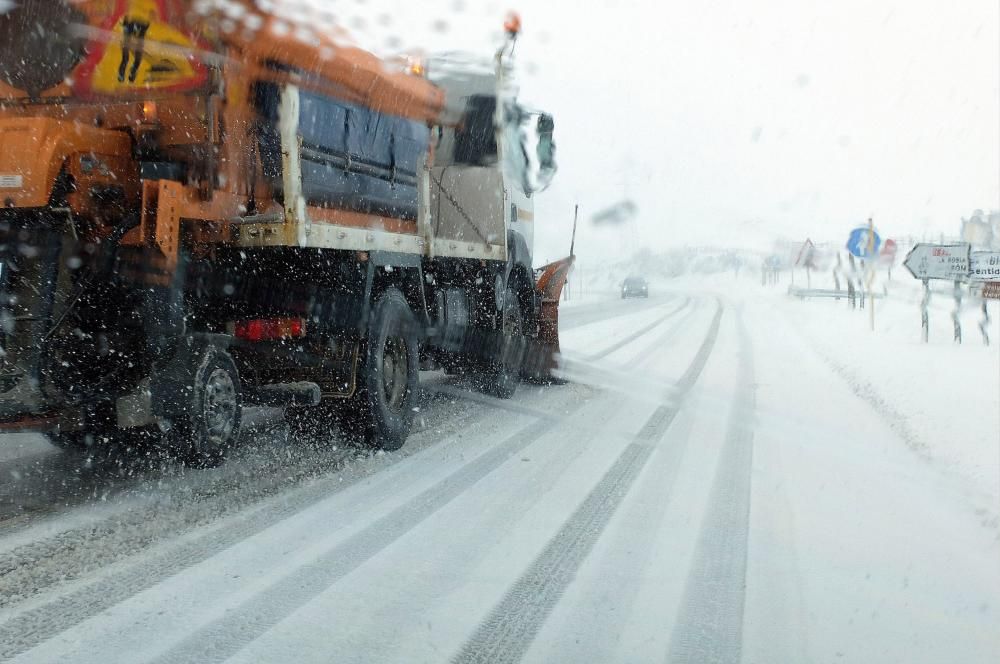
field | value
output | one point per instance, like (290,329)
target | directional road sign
(985,266)
(863,243)
(939,261)
(988,290)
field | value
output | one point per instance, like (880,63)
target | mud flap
(542,354)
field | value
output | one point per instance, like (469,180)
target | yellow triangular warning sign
(145,52)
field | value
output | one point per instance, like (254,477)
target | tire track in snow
(638,333)
(508,631)
(226,636)
(134,488)
(165,505)
(624,379)
(31,627)
(571,319)
(691,307)
(466,393)
(709,628)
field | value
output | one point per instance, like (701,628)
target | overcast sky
(731,122)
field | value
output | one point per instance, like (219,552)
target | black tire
(503,371)
(388,377)
(214,415)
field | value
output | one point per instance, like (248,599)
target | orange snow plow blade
(549,284)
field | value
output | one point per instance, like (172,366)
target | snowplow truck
(206,206)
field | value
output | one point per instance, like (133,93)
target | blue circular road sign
(864,243)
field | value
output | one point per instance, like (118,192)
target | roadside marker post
(986,290)
(572,242)
(851,293)
(871,273)
(862,276)
(836,275)
(984,273)
(925,324)
(956,321)
(984,324)
(887,256)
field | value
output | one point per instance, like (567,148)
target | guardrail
(803,293)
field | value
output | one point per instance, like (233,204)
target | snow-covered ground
(729,474)
(941,399)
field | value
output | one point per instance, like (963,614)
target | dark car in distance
(635,287)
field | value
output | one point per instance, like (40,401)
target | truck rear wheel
(389,375)
(214,415)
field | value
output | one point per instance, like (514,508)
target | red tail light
(270,329)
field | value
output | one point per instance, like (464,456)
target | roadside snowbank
(942,399)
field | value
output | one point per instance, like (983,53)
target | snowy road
(705,488)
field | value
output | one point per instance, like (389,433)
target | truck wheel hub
(394,372)
(220,406)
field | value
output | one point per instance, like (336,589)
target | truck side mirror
(546,149)
(540,150)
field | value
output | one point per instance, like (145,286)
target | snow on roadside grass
(940,398)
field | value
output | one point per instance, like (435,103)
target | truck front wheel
(504,370)
(388,375)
